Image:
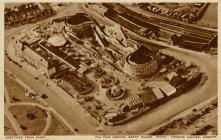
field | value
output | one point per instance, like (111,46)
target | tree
(31,116)
(23,127)
(15,99)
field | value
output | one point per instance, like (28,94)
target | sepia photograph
(117,69)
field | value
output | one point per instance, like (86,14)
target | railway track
(154,19)
(197,31)
(185,29)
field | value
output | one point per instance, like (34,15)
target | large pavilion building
(142,63)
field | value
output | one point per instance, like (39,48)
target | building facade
(142,70)
(35,55)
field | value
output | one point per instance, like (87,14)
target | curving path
(47,109)
(48,122)
(57,98)
(157,116)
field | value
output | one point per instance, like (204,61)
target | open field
(30,126)
(16,91)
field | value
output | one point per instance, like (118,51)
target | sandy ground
(210,16)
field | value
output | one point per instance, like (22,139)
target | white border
(84,1)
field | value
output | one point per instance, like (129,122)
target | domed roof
(57,40)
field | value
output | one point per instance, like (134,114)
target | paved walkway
(12,120)
(207,64)
(48,110)
(137,126)
(53,92)
(7,98)
(92,122)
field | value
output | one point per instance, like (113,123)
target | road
(207,63)
(179,104)
(10,116)
(189,31)
(68,107)
(48,121)
(59,100)
(169,20)
(43,105)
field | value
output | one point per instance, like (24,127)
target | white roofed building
(158,93)
(134,102)
(171,75)
(168,89)
(57,40)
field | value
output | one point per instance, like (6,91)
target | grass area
(16,91)
(30,126)
(8,129)
(56,128)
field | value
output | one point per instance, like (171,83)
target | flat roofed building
(26,40)
(32,52)
(168,89)
(171,75)
(176,81)
(158,93)
(60,70)
(134,101)
(148,97)
(56,52)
